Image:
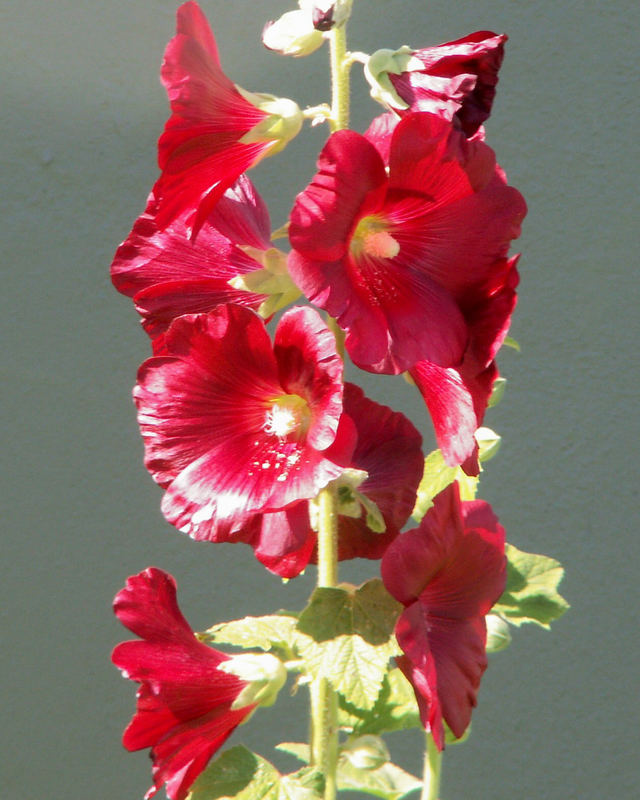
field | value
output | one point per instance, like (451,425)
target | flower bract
(447,573)
(184,703)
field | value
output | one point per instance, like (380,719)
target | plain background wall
(80,113)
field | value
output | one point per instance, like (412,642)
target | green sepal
(272,280)
(497,392)
(531,592)
(387,781)
(238,773)
(275,633)
(437,475)
(347,638)
(395,709)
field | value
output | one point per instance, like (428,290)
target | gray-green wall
(81,108)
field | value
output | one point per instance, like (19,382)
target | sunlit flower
(456,80)
(447,573)
(216,130)
(167,274)
(235,426)
(186,703)
(398,253)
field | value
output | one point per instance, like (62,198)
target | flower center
(288,414)
(372,238)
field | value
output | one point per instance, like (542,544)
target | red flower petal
(184,701)
(448,573)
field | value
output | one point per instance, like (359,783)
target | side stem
(432,767)
(339,79)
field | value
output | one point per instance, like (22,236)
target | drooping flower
(168,275)
(447,573)
(456,80)
(234,426)
(457,397)
(216,130)
(397,256)
(186,704)
(371,512)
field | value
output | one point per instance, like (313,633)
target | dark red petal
(350,182)
(415,557)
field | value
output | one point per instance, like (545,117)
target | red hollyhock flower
(167,275)
(234,426)
(184,701)
(456,80)
(398,257)
(447,573)
(457,397)
(389,449)
(216,130)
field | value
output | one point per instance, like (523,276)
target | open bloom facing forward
(456,80)
(447,573)
(397,256)
(168,275)
(371,513)
(234,426)
(185,703)
(216,130)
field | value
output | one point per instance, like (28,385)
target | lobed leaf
(274,632)
(238,773)
(395,709)
(531,592)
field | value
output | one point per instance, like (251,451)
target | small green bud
(498,633)
(497,391)
(293,34)
(366,752)
(488,443)
(265,676)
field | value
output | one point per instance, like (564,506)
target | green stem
(339,79)
(324,701)
(432,767)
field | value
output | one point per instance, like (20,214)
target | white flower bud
(366,752)
(292,35)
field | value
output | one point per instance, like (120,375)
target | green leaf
(395,709)
(531,593)
(346,636)
(238,773)
(437,475)
(388,781)
(274,632)
(511,342)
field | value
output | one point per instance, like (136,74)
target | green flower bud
(264,674)
(366,752)
(284,120)
(498,633)
(293,34)
(488,443)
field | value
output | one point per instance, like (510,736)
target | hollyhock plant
(234,426)
(456,80)
(371,510)
(402,237)
(185,703)
(167,275)
(396,256)
(447,573)
(216,130)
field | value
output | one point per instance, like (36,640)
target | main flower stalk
(432,767)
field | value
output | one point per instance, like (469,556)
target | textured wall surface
(81,110)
